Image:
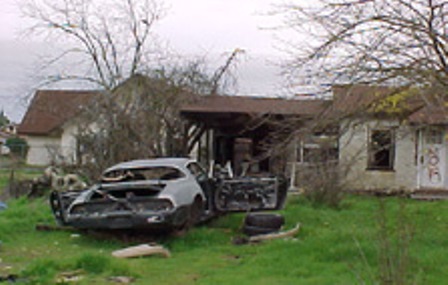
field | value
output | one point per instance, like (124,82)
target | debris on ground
(10,278)
(52,178)
(264,237)
(70,276)
(121,279)
(3,206)
(63,182)
(142,250)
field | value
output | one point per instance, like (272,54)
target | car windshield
(147,173)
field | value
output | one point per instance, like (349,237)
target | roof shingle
(255,105)
(50,109)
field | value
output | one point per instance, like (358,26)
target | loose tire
(254,231)
(264,220)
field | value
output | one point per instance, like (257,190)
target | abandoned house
(380,144)
(50,123)
(250,128)
(390,138)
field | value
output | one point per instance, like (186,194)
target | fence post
(12,184)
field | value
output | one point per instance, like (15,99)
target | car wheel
(264,220)
(57,207)
(195,212)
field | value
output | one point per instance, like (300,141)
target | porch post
(292,183)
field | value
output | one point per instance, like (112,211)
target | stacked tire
(262,223)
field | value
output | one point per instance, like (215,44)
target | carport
(239,129)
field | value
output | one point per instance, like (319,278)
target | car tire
(254,231)
(57,207)
(264,220)
(195,213)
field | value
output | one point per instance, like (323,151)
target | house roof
(371,100)
(430,115)
(50,109)
(255,105)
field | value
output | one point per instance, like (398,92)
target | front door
(432,158)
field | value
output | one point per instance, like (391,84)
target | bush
(18,146)
(320,183)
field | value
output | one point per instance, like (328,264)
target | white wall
(38,153)
(354,155)
(45,150)
(68,142)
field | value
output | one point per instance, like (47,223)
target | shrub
(18,146)
(321,184)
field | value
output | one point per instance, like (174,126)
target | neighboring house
(50,125)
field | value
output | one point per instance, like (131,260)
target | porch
(244,131)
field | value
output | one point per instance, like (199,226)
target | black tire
(254,231)
(195,213)
(57,206)
(264,220)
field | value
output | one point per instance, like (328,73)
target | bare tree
(370,41)
(398,47)
(113,40)
(136,113)
(141,118)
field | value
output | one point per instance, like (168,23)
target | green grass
(332,247)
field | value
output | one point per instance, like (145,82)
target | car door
(250,194)
(206,183)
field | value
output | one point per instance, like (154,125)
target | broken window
(381,150)
(434,136)
(136,174)
(316,148)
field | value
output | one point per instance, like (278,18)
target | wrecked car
(164,193)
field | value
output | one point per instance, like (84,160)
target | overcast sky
(198,27)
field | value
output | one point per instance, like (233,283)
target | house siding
(39,146)
(353,154)
(68,142)
(46,150)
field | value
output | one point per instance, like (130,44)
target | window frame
(372,162)
(310,151)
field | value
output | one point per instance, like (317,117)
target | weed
(42,271)
(394,244)
(395,265)
(93,263)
